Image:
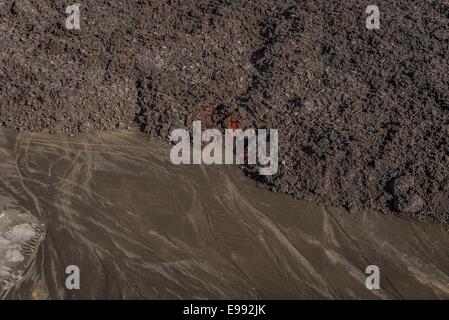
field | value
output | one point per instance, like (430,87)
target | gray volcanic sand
(363,115)
(140,227)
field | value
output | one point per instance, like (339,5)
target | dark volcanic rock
(355,108)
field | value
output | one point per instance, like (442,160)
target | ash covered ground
(363,115)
